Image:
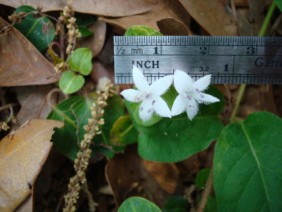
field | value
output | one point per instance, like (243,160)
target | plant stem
(206,192)
(240,95)
(242,88)
(267,19)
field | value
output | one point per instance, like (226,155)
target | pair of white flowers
(190,94)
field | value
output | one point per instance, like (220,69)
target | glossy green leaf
(279,4)
(39,30)
(176,139)
(123,131)
(176,204)
(80,60)
(74,112)
(138,204)
(247,165)
(202,178)
(140,30)
(70,82)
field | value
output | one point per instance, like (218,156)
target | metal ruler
(230,60)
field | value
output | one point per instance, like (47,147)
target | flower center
(188,95)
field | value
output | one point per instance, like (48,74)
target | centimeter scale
(230,60)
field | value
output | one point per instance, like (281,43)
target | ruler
(230,60)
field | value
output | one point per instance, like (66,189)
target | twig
(206,192)
(91,203)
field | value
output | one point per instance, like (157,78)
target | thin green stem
(240,95)
(242,88)
(267,19)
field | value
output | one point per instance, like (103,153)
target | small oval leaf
(80,61)
(70,82)
(138,204)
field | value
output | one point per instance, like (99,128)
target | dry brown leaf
(244,26)
(21,63)
(212,16)
(127,177)
(162,9)
(95,42)
(170,26)
(22,154)
(102,70)
(112,8)
(166,174)
(33,101)
(26,206)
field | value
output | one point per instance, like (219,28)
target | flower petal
(160,86)
(178,106)
(161,108)
(132,95)
(146,110)
(192,108)
(139,79)
(202,83)
(182,81)
(205,98)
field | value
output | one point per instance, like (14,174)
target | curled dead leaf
(22,154)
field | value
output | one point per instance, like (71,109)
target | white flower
(149,95)
(190,94)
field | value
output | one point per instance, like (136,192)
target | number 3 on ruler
(251,50)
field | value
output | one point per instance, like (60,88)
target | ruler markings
(253,60)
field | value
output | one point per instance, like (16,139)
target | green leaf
(176,204)
(85,32)
(70,82)
(75,112)
(80,60)
(202,178)
(84,20)
(170,140)
(40,31)
(123,131)
(247,165)
(140,30)
(279,4)
(176,139)
(138,204)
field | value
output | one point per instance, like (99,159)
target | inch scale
(230,60)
